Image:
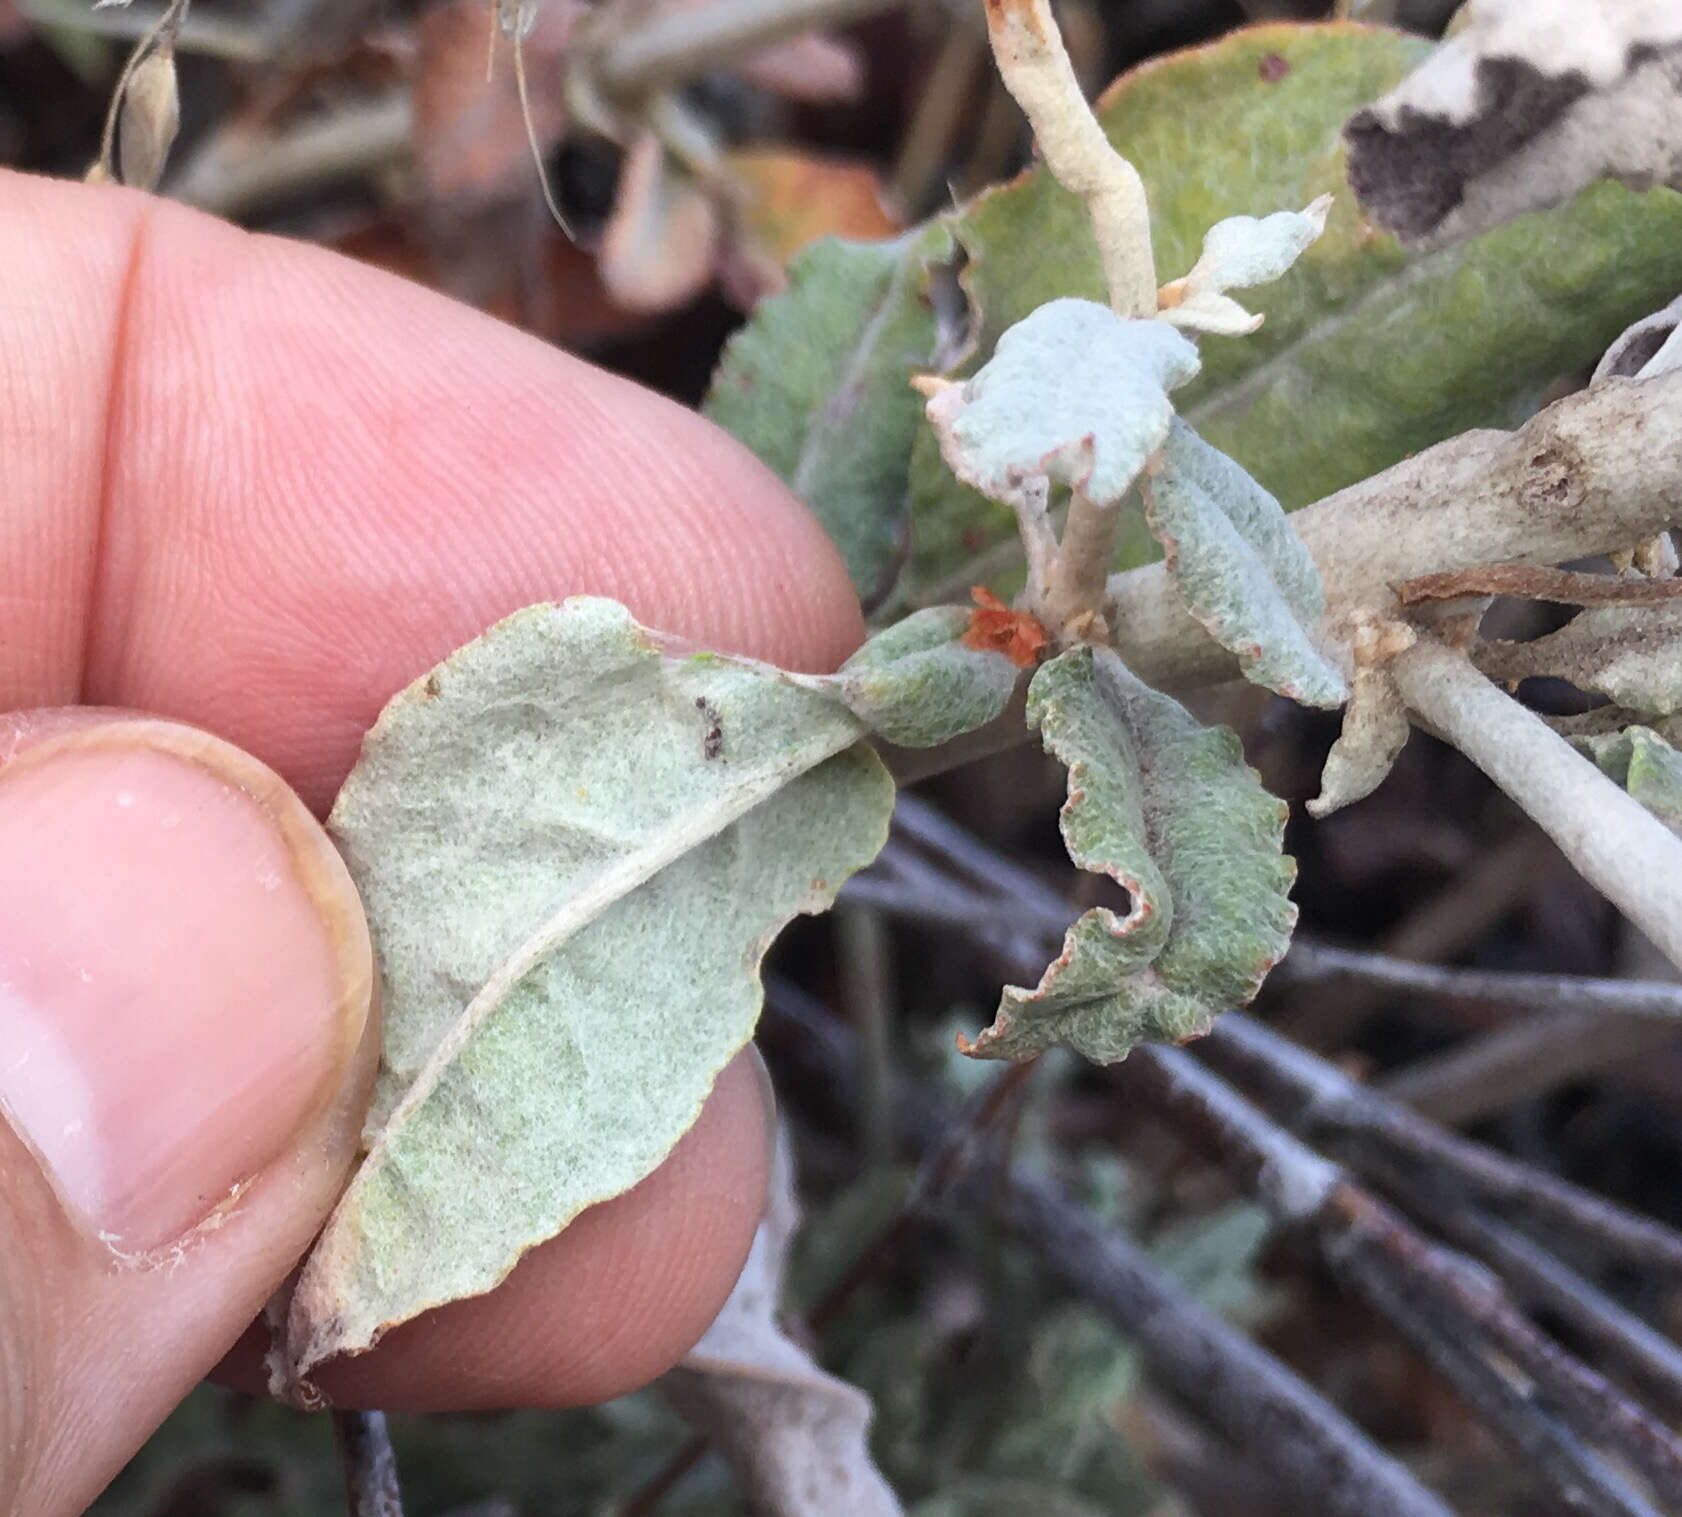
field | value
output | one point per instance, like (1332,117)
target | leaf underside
(1169,809)
(1240,569)
(1074,394)
(574,849)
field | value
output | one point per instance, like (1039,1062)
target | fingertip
(609,1305)
(308,481)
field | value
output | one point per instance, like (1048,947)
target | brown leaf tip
(996,628)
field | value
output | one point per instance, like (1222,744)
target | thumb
(185,1051)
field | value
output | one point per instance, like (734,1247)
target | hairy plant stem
(1082,567)
(1617,845)
(1036,69)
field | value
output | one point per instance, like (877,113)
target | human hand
(253,487)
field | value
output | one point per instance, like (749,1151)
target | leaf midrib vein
(618,881)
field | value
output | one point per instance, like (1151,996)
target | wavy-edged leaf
(574,847)
(1368,354)
(1632,654)
(797,1438)
(1169,809)
(1073,394)
(1240,569)
(818,385)
(1645,765)
(924,681)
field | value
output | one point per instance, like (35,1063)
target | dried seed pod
(151,115)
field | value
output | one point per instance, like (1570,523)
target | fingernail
(184,971)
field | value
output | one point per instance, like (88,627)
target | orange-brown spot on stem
(995,628)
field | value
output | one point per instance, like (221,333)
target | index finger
(257,487)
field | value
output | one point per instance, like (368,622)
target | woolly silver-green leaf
(918,684)
(1169,809)
(574,847)
(1238,254)
(1073,394)
(1240,569)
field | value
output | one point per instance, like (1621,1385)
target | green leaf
(1367,354)
(1645,765)
(918,683)
(574,848)
(818,385)
(1240,569)
(1073,395)
(1170,810)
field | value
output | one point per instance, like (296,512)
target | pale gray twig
(235,172)
(1616,844)
(1313,1096)
(214,35)
(1522,1059)
(1430,1293)
(1313,963)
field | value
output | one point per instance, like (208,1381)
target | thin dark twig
(1315,1096)
(1246,1394)
(370,1465)
(646,1501)
(1502,1400)
(1367,1242)
(1540,1280)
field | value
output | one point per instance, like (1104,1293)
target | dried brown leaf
(469,135)
(1532,582)
(813,69)
(795,1437)
(660,246)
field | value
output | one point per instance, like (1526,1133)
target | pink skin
(255,487)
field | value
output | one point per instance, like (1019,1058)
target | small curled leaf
(1238,254)
(1241,569)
